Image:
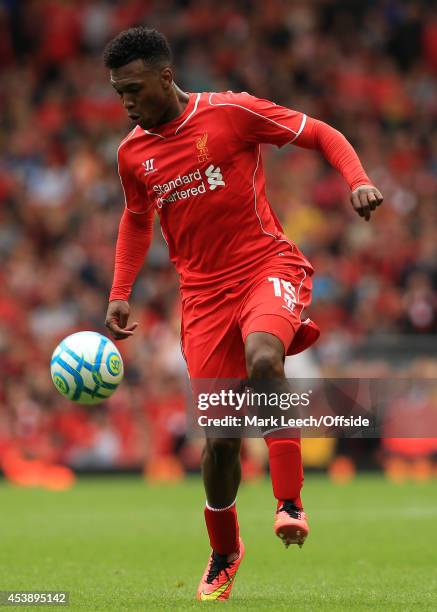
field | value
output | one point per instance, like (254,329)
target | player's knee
(265,363)
(224,451)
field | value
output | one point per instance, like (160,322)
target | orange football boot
(291,524)
(219,576)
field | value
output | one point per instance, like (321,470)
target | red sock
(286,469)
(223,530)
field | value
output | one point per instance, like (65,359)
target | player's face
(145,92)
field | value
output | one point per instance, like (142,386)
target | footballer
(195,159)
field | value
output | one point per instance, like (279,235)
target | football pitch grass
(119,544)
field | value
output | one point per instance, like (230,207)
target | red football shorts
(215,324)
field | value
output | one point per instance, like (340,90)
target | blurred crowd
(368,68)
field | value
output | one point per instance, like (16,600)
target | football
(86,367)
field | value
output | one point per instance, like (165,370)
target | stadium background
(370,72)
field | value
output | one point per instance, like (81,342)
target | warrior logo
(149,165)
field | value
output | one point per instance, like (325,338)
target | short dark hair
(137,43)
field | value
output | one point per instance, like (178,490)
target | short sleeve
(257,120)
(135,192)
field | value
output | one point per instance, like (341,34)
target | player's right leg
(213,348)
(221,471)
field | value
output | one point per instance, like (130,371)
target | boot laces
(291,509)
(219,563)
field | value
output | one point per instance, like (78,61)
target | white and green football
(86,367)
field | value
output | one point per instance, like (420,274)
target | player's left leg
(272,327)
(265,363)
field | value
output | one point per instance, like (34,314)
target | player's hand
(116,320)
(365,199)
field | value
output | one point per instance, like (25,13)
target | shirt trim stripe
(154,134)
(190,115)
(118,170)
(126,138)
(302,125)
(255,113)
(255,205)
(196,103)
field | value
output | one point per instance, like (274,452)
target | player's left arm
(256,120)
(365,197)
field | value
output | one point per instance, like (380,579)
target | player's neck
(179,102)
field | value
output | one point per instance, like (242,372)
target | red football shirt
(203,174)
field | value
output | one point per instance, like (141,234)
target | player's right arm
(133,242)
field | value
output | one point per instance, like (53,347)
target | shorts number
(285,290)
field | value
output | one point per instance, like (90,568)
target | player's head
(139,60)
